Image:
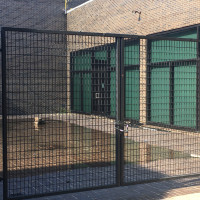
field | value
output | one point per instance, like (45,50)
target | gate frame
(120,94)
(119,129)
(120,98)
(4,113)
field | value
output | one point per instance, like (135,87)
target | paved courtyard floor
(179,189)
(185,159)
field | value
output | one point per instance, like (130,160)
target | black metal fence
(105,110)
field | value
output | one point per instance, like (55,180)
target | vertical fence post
(4,114)
(120,109)
(198,81)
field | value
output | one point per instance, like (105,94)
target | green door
(185,95)
(132,93)
(86,92)
(160,94)
(81,82)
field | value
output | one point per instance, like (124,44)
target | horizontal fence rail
(85,111)
(100,34)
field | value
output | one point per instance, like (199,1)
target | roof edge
(174,30)
(78,6)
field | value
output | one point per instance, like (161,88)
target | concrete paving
(103,176)
(187,142)
(179,189)
(186,197)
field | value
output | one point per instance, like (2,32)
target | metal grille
(162,109)
(40,14)
(50,144)
(104,110)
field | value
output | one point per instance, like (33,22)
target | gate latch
(122,124)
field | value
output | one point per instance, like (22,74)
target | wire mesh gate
(85,111)
(50,146)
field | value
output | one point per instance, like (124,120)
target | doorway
(100,87)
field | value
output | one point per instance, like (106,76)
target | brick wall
(40,14)
(139,17)
(118,16)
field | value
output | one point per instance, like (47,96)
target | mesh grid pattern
(101,111)
(51,145)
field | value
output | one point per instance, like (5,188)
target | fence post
(4,114)
(120,109)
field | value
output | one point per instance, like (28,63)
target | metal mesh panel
(102,111)
(52,144)
(163,143)
(40,14)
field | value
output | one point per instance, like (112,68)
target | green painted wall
(76,92)
(131,57)
(185,95)
(132,94)
(165,50)
(132,53)
(82,61)
(113,94)
(113,57)
(86,80)
(184,80)
(87,96)
(160,94)
(190,34)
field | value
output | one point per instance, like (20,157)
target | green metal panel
(185,95)
(113,94)
(82,61)
(101,55)
(113,83)
(190,34)
(166,50)
(113,57)
(132,94)
(132,53)
(76,92)
(160,94)
(87,84)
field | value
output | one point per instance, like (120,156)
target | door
(100,88)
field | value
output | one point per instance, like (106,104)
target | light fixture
(139,12)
